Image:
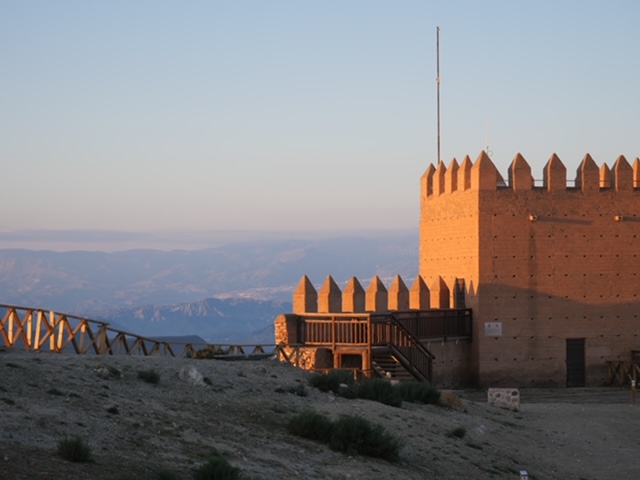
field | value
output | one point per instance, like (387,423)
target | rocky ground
(241,409)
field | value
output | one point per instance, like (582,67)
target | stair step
(387,366)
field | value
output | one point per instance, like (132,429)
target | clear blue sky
(294,115)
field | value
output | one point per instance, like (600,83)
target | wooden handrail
(436,323)
(410,352)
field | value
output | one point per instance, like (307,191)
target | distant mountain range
(232,292)
(232,320)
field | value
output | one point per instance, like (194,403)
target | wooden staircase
(386,365)
(406,357)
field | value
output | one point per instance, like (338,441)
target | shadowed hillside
(143,415)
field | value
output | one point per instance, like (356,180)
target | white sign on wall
(493,329)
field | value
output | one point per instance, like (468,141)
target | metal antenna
(438,83)
(488,150)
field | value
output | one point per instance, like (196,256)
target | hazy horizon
(120,240)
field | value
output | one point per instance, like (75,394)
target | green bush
(74,449)
(218,468)
(415,392)
(458,432)
(299,390)
(149,376)
(157,475)
(355,435)
(311,425)
(351,435)
(330,382)
(114,372)
(165,475)
(379,390)
(210,351)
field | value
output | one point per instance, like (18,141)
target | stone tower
(550,271)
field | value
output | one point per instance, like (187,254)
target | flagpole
(438,83)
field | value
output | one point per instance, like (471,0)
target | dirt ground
(241,410)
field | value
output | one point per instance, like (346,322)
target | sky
(135,117)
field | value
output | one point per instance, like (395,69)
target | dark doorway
(460,294)
(351,361)
(575,362)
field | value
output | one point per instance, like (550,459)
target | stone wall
(308,358)
(451,365)
(507,398)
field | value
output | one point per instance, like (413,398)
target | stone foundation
(309,358)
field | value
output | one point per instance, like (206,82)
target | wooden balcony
(399,334)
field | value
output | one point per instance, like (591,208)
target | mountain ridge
(113,286)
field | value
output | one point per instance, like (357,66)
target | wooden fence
(38,330)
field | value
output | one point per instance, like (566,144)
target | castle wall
(449,249)
(449,246)
(451,365)
(541,265)
(571,273)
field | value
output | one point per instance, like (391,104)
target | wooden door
(575,362)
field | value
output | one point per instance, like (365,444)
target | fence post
(369,355)
(333,333)
(12,314)
(28,323)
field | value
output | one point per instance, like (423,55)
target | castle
(549,273)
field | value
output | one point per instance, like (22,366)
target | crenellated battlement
(483,175)
(377,297)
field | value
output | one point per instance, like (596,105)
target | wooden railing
(405,346)
(437,323)
(335,329)
(34,329)
(625,372)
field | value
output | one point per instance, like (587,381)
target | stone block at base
(508,398)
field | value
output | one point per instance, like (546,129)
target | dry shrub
(452,401)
